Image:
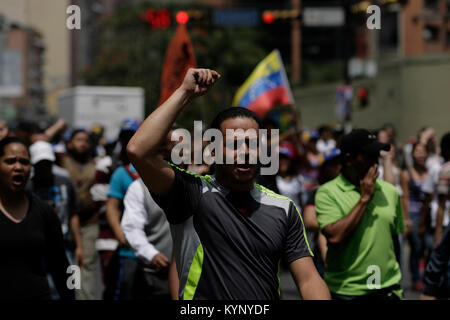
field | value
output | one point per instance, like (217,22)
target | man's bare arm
(308,280)
(343,228)
(439,220)
(340,230)
(388,167)
(174,282)
(113,216)
(323,247)
(310,219)
(76,232)
(145,145)
(53,130)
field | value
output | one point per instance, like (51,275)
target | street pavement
(289,289)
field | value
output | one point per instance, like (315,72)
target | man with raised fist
(229,233)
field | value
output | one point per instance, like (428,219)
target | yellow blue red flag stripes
(266,87)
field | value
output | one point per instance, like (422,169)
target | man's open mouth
(243,167)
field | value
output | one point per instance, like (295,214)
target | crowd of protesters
(121,241)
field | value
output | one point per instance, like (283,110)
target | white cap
(41,150)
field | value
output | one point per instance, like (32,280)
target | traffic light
(268,17)
(164,19)
(182,17)
(195,16)
(271,16)
(157,18)
(363,96)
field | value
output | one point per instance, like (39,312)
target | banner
(179,58)
(266,87)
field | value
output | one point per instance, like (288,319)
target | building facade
(22,53)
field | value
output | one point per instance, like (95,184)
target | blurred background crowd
(84,177)
(75,96)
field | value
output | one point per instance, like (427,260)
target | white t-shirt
(432,161)
(430,186)
(290,189)
(324,146)
(135,218)
(396,173)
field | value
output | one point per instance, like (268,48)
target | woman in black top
(31,240)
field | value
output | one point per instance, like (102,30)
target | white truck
(84,106)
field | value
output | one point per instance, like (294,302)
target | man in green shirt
(361,218)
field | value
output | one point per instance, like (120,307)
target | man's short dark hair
(234,112)
(269,122)
(323,128)
(77,131)
(362,141)
(26,126)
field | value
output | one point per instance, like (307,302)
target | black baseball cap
(362,140)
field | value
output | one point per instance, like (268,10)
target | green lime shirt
(366,260)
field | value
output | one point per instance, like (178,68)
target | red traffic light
(182,17)
(363,93)
(268,17)
(157,19)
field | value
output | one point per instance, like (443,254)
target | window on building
(432,4)
(388,39)
(431,33)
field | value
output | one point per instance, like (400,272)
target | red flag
(179,58)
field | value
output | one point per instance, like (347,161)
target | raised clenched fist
(198,81)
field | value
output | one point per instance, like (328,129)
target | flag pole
(289,90)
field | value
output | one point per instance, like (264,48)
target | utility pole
(347,30)
(296,43)
(347,34)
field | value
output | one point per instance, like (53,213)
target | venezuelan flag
(266,87)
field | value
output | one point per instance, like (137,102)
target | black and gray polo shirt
(228,245)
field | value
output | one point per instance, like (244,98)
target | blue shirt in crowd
(120,181)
